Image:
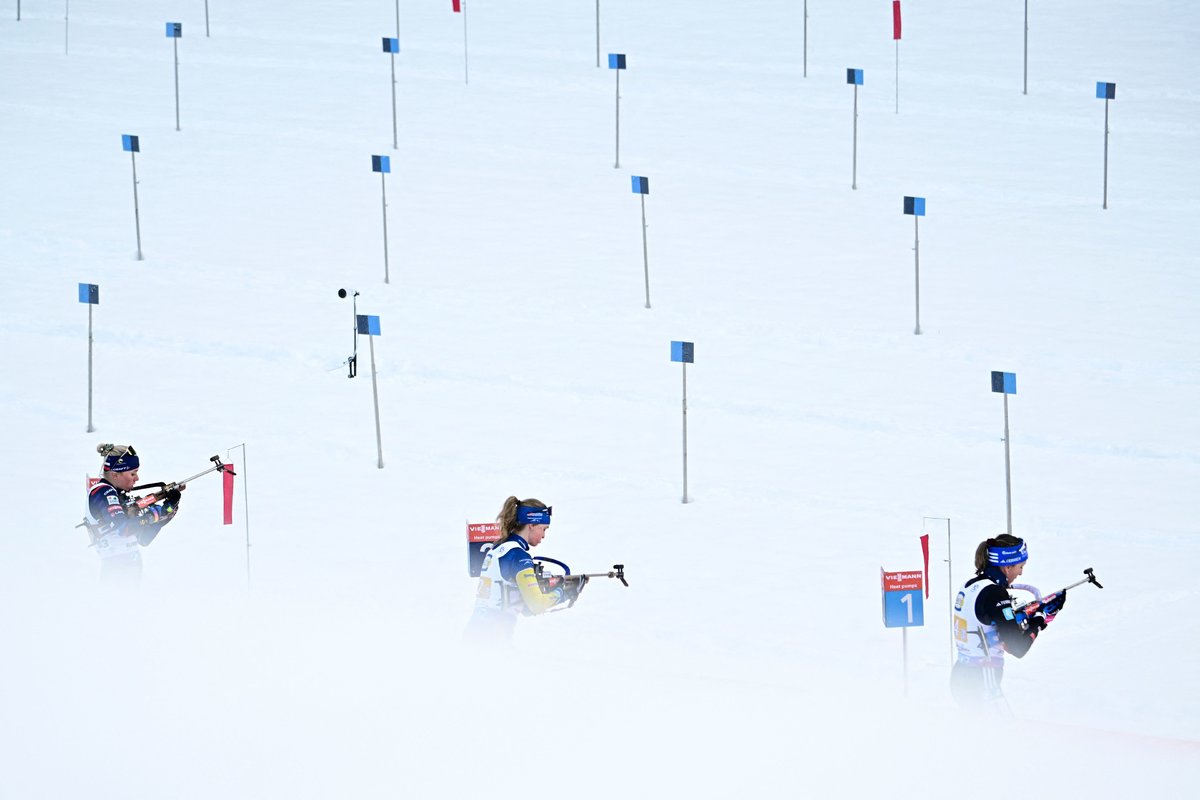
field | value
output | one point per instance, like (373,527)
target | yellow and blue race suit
(508,588)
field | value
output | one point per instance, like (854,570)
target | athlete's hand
(1055,605)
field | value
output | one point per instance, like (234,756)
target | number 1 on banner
(907,600)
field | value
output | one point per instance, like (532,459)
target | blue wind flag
(368,325)
(914,206)
(174,30)
(854,76)
(616,61)
(1106,91)
(641,185)
(391,45)
(1004,382)
(89,293)
(129,143)
(683,351)
(381,164)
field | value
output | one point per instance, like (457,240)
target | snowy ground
(517,358)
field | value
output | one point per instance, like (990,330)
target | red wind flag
(924,536)
(457,6)
(228,479)
(895,18)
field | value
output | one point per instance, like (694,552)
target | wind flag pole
(174,33)
(597,31)
(684,352)
(245,504)
(949,583)
(806,38)
(67,29)
(89,293)
(207,35)
(896,36)
(130,145)
(460,7)
(392,46)
(1025,74)
(855,78)
(641,187)
(1106,92)
(18,10)
(915,206)
(369,326)
(383,165)
(1006,383)
(616,62)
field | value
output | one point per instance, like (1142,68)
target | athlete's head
(1005,552)
(120,465)
(528,519)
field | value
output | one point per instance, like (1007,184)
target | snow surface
(516,357)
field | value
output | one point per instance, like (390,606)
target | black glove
(1055,604)
(571,589)
(172,497)
(1036,624)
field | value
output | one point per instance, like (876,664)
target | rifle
(1026,610)
(166,488)
(572,583)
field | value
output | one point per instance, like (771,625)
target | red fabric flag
(895,18)
(228,479)
(457,6)
(924,536)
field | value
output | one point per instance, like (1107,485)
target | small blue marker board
(1106,91)
(391,45)
(903,601)
(641,185)
(1004,382)
(616,61)
(683,351)
(89,293)
(854,76)
(381,164)
(368,325)
(130,143)
(914,206)
(174,30)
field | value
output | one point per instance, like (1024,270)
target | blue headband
(1007,556)
(122,463)
(529,515)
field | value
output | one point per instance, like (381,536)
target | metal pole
(466,68)
(175,43)
(207,36)
(917,256)
(137,220)
(1007,473)
(854,174)
(1105,205)
(904,639)
(618,160)
(1025,79)
(806,38)
(375,395)
(897,76)
(18,10)
(598,33)
(395,138)
(90,428)
(645,252)
(685,492)
(245,503)
(67,28)
(383,186)
(397,19)
(354,333)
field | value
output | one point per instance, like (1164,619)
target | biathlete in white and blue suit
(508,584)
(986,626)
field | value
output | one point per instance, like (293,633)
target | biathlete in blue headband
(986,626)
(508,585)
(117,527)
